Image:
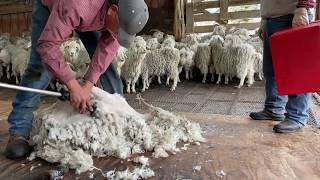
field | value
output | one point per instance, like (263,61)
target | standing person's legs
(297,114)
(110,79)
(274,107)
(25,103)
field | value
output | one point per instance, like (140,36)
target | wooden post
(189,17)
(224,4)
(317,11)
(179,24)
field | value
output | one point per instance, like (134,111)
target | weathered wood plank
(229,16)
(201,6)
(189,18)
(14,9)
(205,29)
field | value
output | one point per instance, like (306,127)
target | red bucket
(296,59)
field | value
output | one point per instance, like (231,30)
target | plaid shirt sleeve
(306,3)
(106,50)
(56,31)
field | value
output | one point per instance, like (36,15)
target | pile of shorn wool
(60,134)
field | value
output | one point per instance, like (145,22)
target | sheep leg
(128,86)
(191,74)
(133,85)
(168,81)
(159,80)
(144,84)
(17,80)
(204,78)
(175,83)
(212,77)
(250,78)
(219,78)
(260,76)
(8,72)
(187,74)
(243,77)
(1,72)
(226,80)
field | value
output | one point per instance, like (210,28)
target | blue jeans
(296,106)
(36,75)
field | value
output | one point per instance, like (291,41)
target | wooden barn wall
(161,16)
(15,16)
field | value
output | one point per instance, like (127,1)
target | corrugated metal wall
(15,16)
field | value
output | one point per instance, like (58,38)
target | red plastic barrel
(296,59)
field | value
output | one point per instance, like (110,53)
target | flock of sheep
(233,53)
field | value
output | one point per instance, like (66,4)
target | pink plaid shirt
(81,15)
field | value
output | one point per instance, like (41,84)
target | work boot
(266,115)
(287,126)
(17,147)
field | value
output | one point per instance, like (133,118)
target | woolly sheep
(120,58)
(243,33)
(217,30)
(131,69)
(216,44)
(5,62)
(168,42)
(203,59)
(160,62)
(257,43)
(159,35)
(152,44)
(186,61)
(236,61)
(19,60)
(258,65)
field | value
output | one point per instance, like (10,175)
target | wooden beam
(14,9)
(224,4)
(189,17)
(229,16)
(250,26)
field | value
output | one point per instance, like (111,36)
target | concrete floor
(195,97)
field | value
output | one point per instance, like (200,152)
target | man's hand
(80,95)
(300,17)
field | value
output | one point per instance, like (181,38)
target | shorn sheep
(131,69)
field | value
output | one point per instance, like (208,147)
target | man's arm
(106,50)
(59,26)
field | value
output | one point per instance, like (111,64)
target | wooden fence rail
(197,12)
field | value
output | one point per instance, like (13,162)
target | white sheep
(5,60)
(191,41)
(76,56)
(186,61)
(216,44)
(258,65)
(159,35)
(243,33)
(19,60)
(168,42)
(217,30)
(159,62)
(202,59)
(131,69)
(236,61)
(152,44)
(257,43)
(120,58)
